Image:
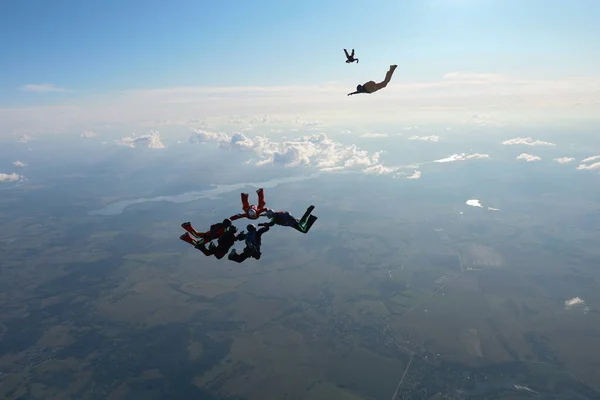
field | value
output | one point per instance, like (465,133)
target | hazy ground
(399,288)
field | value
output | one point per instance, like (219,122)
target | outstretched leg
(245,204)
(238,258)
(347,55)
(188,227)
(261,199)
(352,54)
(388,77)
(188,239)
(207,252)
(304,228)
(306,214)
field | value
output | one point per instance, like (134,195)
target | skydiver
(252,211)
(284,218)
(350,57)
(253,243)
(224,242)
(215,231)
(372,87)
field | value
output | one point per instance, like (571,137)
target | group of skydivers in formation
(226,234)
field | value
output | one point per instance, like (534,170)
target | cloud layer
(150,140)
(316,150)
(19,164)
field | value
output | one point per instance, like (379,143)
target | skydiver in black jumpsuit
(284,218)
(253,243)
(350,57)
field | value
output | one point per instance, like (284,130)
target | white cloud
(374,135)
(19,164)
(474,203)
(10,177)
(432,138)
(593,158)
(316,150)
(462,157)
(574,302)
(589,166)
(527,141)
(493,209)
(528,157)
(43,88)
(25,139)
(564,160)
(88,134)
(415,175)
(583,166)
(151,140)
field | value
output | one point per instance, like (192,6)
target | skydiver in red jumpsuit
(215,232)
(252,211)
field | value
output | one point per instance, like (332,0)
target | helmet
(270,214)
(226,222)
(359,88)
(252,213)
(251,228)
(232,228)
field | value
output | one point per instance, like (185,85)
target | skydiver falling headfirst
(284,218)
(253,243)
(350,57)
(372,87)
(252,211)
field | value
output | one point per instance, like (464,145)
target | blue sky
(95,48)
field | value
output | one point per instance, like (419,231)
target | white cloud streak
(564,160)
(43,88)
(462,157)
(19,164)
(370,135)
(431,138)
(592,166)
(527,141)
(528,157)
(88,134)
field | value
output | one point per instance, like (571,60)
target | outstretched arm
(350,94)
(347,55)
(262,230)
(238,216)
(240,236)
(270,223)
